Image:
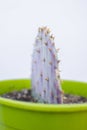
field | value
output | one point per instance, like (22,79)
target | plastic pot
(15,115)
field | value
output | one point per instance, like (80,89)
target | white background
(19,20)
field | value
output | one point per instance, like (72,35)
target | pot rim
(43,107)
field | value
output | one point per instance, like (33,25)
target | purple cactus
(46,85)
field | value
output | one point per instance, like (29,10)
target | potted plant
(48,112)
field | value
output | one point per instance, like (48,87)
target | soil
(25,95)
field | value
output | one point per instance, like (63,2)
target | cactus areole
(46,87)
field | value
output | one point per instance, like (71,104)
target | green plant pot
(15,115)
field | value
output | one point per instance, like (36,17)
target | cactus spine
(46,85)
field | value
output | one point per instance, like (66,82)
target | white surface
(19,20)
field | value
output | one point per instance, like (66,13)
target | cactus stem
(46,82)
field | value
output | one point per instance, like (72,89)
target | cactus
(46,87)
